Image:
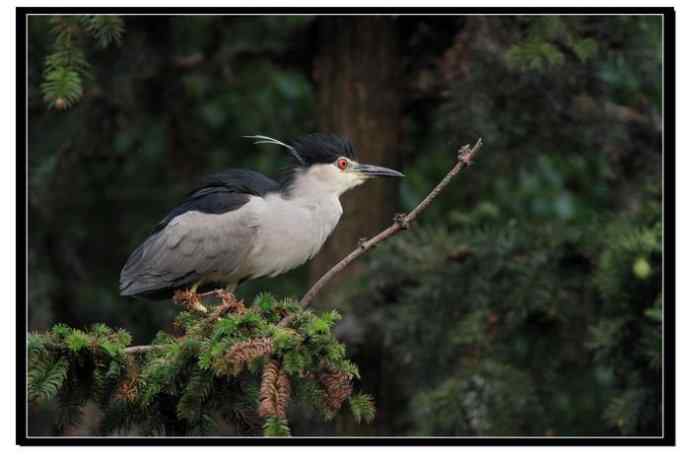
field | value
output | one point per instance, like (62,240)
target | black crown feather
(322,148)
(313,148)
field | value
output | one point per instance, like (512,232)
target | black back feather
(222,192)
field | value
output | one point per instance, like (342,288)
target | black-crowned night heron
(242,225)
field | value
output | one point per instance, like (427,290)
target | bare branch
(401,222)
(142,349)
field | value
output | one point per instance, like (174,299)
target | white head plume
(266,139)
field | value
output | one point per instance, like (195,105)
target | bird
(239,225)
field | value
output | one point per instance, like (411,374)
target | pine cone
(246,351)
(275,391)
(129,388)
(338,385)
(282,394)
(127,391)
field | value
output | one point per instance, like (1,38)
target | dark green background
(527,301)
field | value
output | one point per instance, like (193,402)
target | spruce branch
(228,304)
(46,378)
(401,222)
(66,69)
(210,369)
(362,407)
(144,348)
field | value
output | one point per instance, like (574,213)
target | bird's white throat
(323,179)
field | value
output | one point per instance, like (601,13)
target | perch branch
(142,349)
(229,302)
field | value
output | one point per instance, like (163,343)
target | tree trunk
(357,72)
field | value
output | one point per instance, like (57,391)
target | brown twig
(401,222)
(142,349)
(229,302)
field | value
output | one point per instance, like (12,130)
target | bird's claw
(190,300)
(198,307)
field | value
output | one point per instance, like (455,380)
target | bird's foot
(197,306)
(226,297)
(228,300)
(190,300)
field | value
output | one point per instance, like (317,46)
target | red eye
(342,164)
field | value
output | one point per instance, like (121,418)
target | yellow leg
(196,304)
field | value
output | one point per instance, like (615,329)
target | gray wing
(192,245)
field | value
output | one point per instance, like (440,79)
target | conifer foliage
(234,365)
(520,330)
(66,67)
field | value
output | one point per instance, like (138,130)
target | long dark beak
(375,171)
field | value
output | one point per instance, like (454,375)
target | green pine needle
(66,68)
(105,29)
(362,407)
(45,378)
(276,427)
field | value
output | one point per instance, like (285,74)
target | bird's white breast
(290,231)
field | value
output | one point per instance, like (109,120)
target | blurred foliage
(568,139)
(521,330)
(528,301)
(235,367)
(66,67)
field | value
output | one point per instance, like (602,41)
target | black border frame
(668,178)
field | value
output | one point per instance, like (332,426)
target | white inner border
(363,4)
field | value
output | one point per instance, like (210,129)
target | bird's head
(327,163)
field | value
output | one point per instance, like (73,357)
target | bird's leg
(228,302)
(190,298)
(228,299)
(196,303)
(226,295)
